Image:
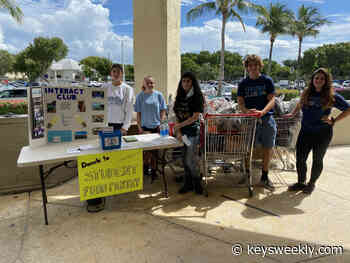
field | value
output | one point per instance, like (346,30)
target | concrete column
(157,43)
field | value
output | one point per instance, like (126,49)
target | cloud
(125,23)
(103,2)
(83,25)
(193,2)
(313,1)
(208,37)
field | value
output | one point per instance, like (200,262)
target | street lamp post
(122,56)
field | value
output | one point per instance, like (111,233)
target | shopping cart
(229,139)
(287,132)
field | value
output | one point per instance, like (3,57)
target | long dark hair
(327,92)
(181,93)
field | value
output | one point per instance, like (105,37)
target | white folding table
(61,153)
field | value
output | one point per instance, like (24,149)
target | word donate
(110,173)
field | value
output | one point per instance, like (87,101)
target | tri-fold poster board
(65,113)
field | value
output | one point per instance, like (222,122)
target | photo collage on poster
(37,111)
(98,109)
(74,113)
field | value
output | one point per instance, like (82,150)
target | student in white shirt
(120,100)
(120,110)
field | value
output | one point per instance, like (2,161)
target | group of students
(256,94)
(151,109)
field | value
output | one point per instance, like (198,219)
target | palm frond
(308,22)
(14,10)
(200,10)
(243,6)
(233,13)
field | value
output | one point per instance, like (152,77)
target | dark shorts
(151,130)
(266,131)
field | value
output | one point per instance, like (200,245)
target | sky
(98,27)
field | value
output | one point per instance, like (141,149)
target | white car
(94,84)
(346,83)
(10,94)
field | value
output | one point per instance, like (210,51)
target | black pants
(318,143)
(97,201)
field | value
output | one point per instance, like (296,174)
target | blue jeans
(190,158)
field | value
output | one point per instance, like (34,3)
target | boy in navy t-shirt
(256,94)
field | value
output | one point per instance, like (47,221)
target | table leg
(163,161)
(43,191)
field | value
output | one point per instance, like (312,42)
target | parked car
(13,94)
(94,84)
(283,83)
(346,83)
(337,86)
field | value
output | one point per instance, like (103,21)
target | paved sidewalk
(145,227)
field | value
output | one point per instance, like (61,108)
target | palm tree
(227,9)
(14,10)
(274,20)
(306,24)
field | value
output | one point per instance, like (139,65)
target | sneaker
(309,188)
(98,207)
(296,187)
(198,187)
(267,184)
(147,171)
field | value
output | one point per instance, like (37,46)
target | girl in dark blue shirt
(316,126)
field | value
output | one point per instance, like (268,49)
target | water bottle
(161,129)
(164,129)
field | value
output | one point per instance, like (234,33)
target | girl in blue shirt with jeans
(316,131)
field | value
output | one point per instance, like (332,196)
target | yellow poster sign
(110,173)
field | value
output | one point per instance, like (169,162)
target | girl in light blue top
(151,109)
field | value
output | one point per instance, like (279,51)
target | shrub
(345,93)
(13,108)
(288,94)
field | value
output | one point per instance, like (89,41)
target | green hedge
(15,108)
(345,93)
(288,94)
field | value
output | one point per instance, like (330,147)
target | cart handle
(232,115)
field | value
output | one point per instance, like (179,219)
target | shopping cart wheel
(250,189)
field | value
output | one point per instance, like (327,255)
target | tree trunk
(222,56)
(272,40)
(299,58)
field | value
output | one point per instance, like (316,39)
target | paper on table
(78,149)
(87,147)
